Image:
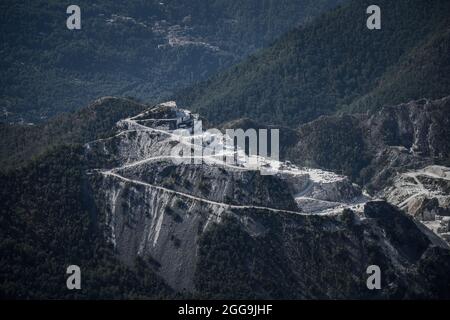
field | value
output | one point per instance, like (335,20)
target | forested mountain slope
(336,64)
(20,143)
(141,226)
(373,148)
(143,49)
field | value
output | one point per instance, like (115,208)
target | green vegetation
(48,217)
(336,64)
(21,143)
(292,260)
(335,143)
(48,223)
(123,47)
(319,258)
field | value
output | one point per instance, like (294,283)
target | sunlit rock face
(171,214)
(425,194)
(373,148)
(399,153)
(159,208)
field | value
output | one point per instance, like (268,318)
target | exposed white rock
(157,207)
(423,193)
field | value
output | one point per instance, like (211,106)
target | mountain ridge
(152,217)
(316,69)
(129,48)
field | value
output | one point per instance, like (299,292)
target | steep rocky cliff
(144,219)
(373,147)
(214,228)
(159,209)
(400,153)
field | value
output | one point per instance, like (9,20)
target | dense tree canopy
(136,48)
(336,64)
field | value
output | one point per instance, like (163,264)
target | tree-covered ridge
(51,218)
(332,63)
(422,73)
(134,48)
(372,148)
(20,143)
(48,223)
(320,257)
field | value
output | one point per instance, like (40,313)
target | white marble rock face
(158,208)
